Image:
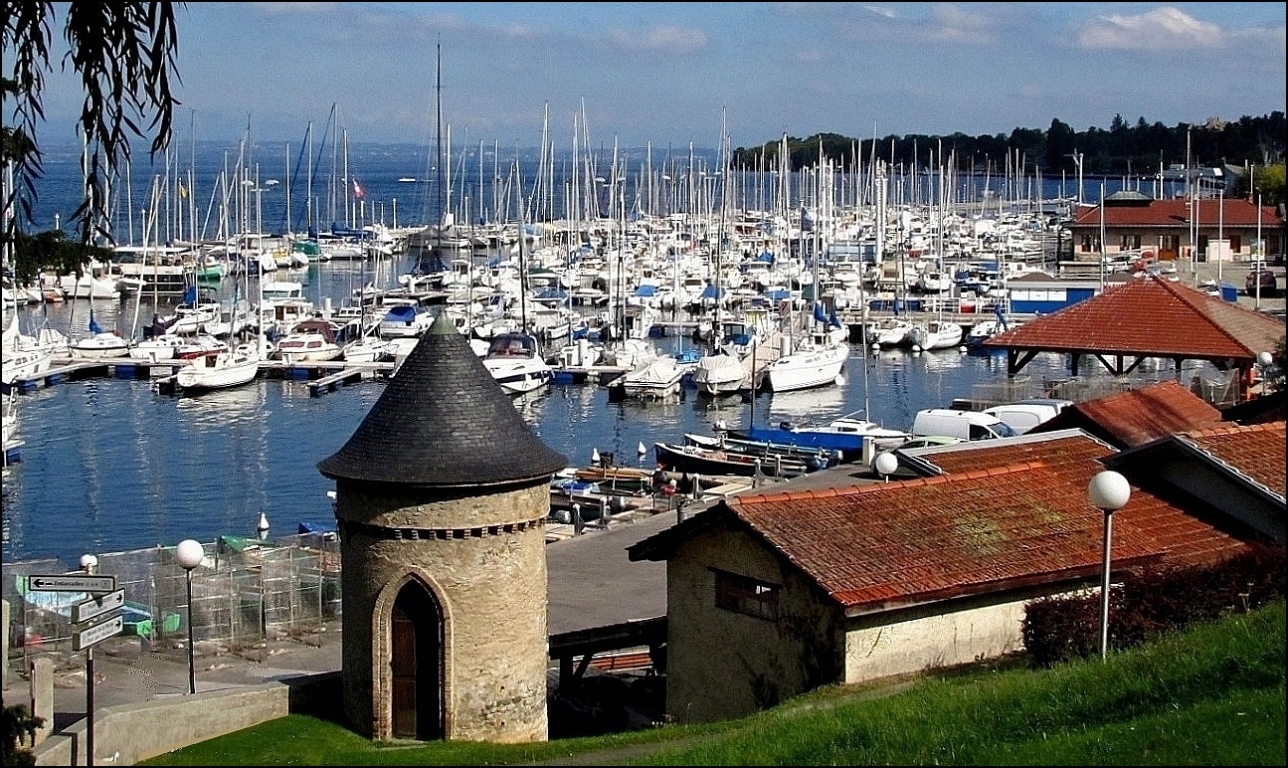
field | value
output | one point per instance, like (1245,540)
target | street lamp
(189,555)
(1108,491)
(885,464)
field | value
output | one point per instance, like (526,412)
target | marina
(112,458)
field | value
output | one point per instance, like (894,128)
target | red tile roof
(1149,317)
(1236,213)
(1138,416)
(1256,451)
(990,527)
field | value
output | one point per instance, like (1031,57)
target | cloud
(878,10)
(946,23)
(665,39)
(1160,29)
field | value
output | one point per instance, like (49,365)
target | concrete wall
(483,560)
(882,645)
(128,733)
(724,664)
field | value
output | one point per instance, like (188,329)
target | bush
(1151,601)
(19,729)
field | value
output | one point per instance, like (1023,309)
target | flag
(183,191)
(94,327)
(357,190)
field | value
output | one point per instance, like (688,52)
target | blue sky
(671,74)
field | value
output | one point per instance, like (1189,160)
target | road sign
(98,633)
(98,606)
(70,582)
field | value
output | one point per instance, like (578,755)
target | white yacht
(515,362)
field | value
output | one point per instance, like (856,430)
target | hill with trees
(1142,149)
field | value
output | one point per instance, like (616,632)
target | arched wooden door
(415,665)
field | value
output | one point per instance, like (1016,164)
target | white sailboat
(226,367)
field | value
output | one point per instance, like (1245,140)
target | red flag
(357,190)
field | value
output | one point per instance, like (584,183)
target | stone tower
(442,494)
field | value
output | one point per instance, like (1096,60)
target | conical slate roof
(442,421)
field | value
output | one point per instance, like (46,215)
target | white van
(964,425)
(1024,415)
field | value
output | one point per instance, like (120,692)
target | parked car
(1263,276)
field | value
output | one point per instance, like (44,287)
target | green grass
(1212,695)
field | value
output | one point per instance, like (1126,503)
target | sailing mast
(438,135)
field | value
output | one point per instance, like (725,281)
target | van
(964,425)
(1023,415)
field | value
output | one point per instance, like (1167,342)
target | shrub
(1150,601)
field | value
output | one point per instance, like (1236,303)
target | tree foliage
(1141,148)
(124,55)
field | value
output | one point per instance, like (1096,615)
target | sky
(667,75)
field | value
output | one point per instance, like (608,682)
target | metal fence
(244,592)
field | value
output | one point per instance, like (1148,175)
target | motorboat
(405,321)
(697,459)
(846,436)
(721,374)
(515,362)
(308,341)
(657,379)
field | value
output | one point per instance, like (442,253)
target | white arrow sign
(98,606)
(70,582)
(98,633)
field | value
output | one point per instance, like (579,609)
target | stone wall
(483,561)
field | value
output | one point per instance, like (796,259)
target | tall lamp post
(1108,491)
(189,555)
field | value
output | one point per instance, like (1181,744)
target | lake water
(111,465)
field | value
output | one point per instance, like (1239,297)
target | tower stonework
(441,499)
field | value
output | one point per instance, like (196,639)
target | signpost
(107,600)
(98,606)
(71,582)
(97,633)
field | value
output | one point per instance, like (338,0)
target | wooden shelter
(1147,317)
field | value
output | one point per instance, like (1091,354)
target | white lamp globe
(1108,491)
(885,463)
(1264,359)
(189,554)
(88,561)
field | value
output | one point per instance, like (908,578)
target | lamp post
(1108,491)
(189,555)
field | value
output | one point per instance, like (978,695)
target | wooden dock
(322,376)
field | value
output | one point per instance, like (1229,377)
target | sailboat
(100,343)
(821,356)
(817,362)
(225,368)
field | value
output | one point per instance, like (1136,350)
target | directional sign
(98,633)
(70,582)
(98,606)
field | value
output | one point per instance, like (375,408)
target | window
(746,595)
(1130,242)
